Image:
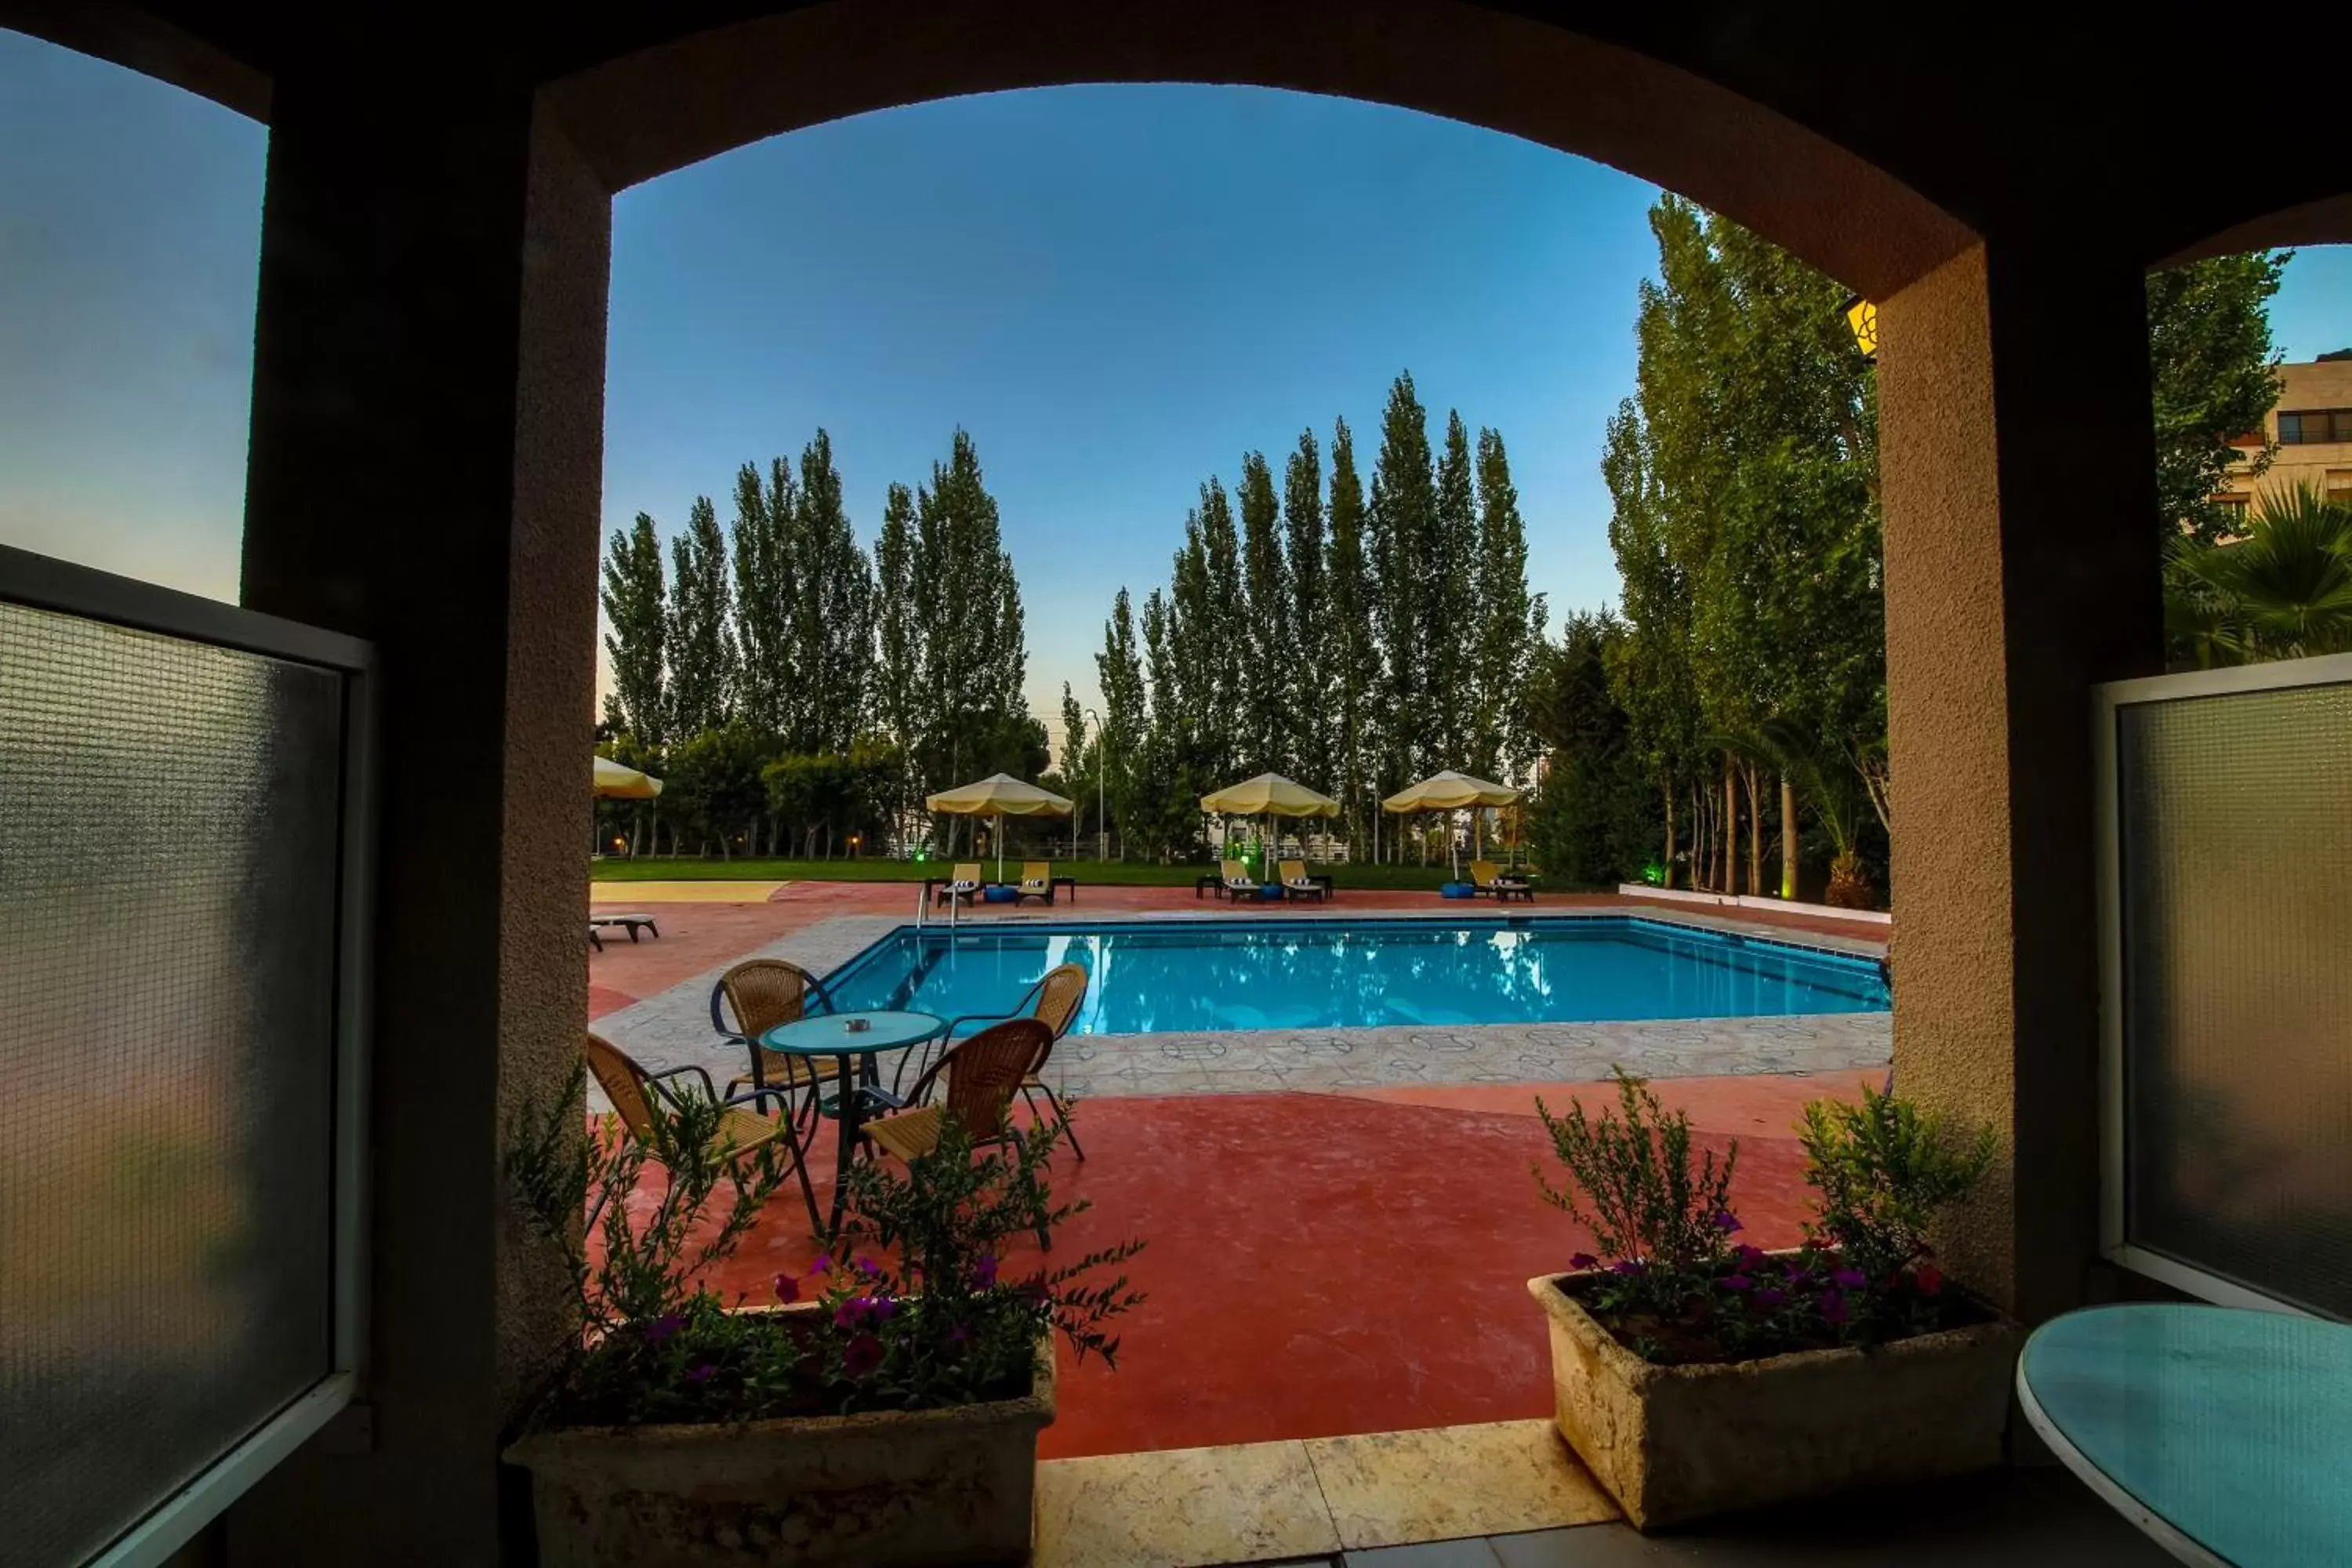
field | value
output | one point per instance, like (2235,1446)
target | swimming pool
(1151,977)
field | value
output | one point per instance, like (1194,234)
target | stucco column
(425,468)
(2022,569)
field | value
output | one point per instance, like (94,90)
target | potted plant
(1697,1375)
(883,1409)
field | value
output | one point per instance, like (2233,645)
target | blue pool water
(1294,974)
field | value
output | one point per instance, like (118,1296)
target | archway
(432,319)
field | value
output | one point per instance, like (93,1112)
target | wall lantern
(1863,317)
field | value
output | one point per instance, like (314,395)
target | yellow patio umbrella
(999,796)
(1268,795)
(1450,790)
(614,782)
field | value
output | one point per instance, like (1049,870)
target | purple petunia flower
(1770,1295)
(1849,1278)
(701,1373)
(983,1271)
(861,1355)
(787,1288)
(852,1312)
(1727,1222)
(822,1264)
(1749,1255)
(879,1309)
(1833,1307)
(1626,1266)
(1737,1282)
(1582,1260)
(663,1327)
(866,1267)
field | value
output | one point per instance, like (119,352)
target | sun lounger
(626,922)
(966,885)
(1297,884)
(1487,877)
(1037,881)
(1238,884)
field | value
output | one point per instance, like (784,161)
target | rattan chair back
(985,1071)
(1060,996)
(623,1083)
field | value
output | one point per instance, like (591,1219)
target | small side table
(2221,1433)
(830,1034)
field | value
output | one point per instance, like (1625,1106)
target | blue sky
(1118,290)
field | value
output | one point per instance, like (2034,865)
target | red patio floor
(1324,1264)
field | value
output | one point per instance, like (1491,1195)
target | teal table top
(829,1034)
(2225,1434)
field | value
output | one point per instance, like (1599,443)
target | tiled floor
(2037,1518)
(1323,1496)
(1510,1495)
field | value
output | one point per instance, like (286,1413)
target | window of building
(2306,427)
(2234,503)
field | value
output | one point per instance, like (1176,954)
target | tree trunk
(1702,850)
(1755,830)
(1788,839)
(1730,829)
(1668,790)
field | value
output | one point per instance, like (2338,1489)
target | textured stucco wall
(425,467)
(1947,725)
(2017,578)
(550,677)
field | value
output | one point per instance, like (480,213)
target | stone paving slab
(673,1029)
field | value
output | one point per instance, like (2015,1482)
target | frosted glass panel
(169,831)
(2235,814)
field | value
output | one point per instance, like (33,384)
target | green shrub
(1884,1170)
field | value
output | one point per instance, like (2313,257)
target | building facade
(2312,425)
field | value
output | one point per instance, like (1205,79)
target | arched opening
(434,294)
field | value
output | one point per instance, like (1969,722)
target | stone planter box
(1674,1444)
(885,1489)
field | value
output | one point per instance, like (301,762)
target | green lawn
(1089,873)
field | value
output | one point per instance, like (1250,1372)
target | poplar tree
(1400,519)
(898,641)
(1309,679)
(831,605)
(1355,663)
(1118,669)
(1266,633)
(1510,618)
(636,614)
(764,595)
(1450,635)
(973,653)
(702,645)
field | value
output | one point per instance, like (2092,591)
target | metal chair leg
(1062,1114)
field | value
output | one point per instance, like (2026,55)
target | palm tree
(2283,590)
(1834,782)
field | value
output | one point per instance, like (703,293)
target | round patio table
(2225,1435)
(830,1034)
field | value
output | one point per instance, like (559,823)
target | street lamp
(1862,316)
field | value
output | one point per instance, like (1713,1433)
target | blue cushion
(1458,890)
(998,895)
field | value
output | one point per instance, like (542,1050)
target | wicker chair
(632,1089)
(1054,1001)
(978,1077)
(763,993)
